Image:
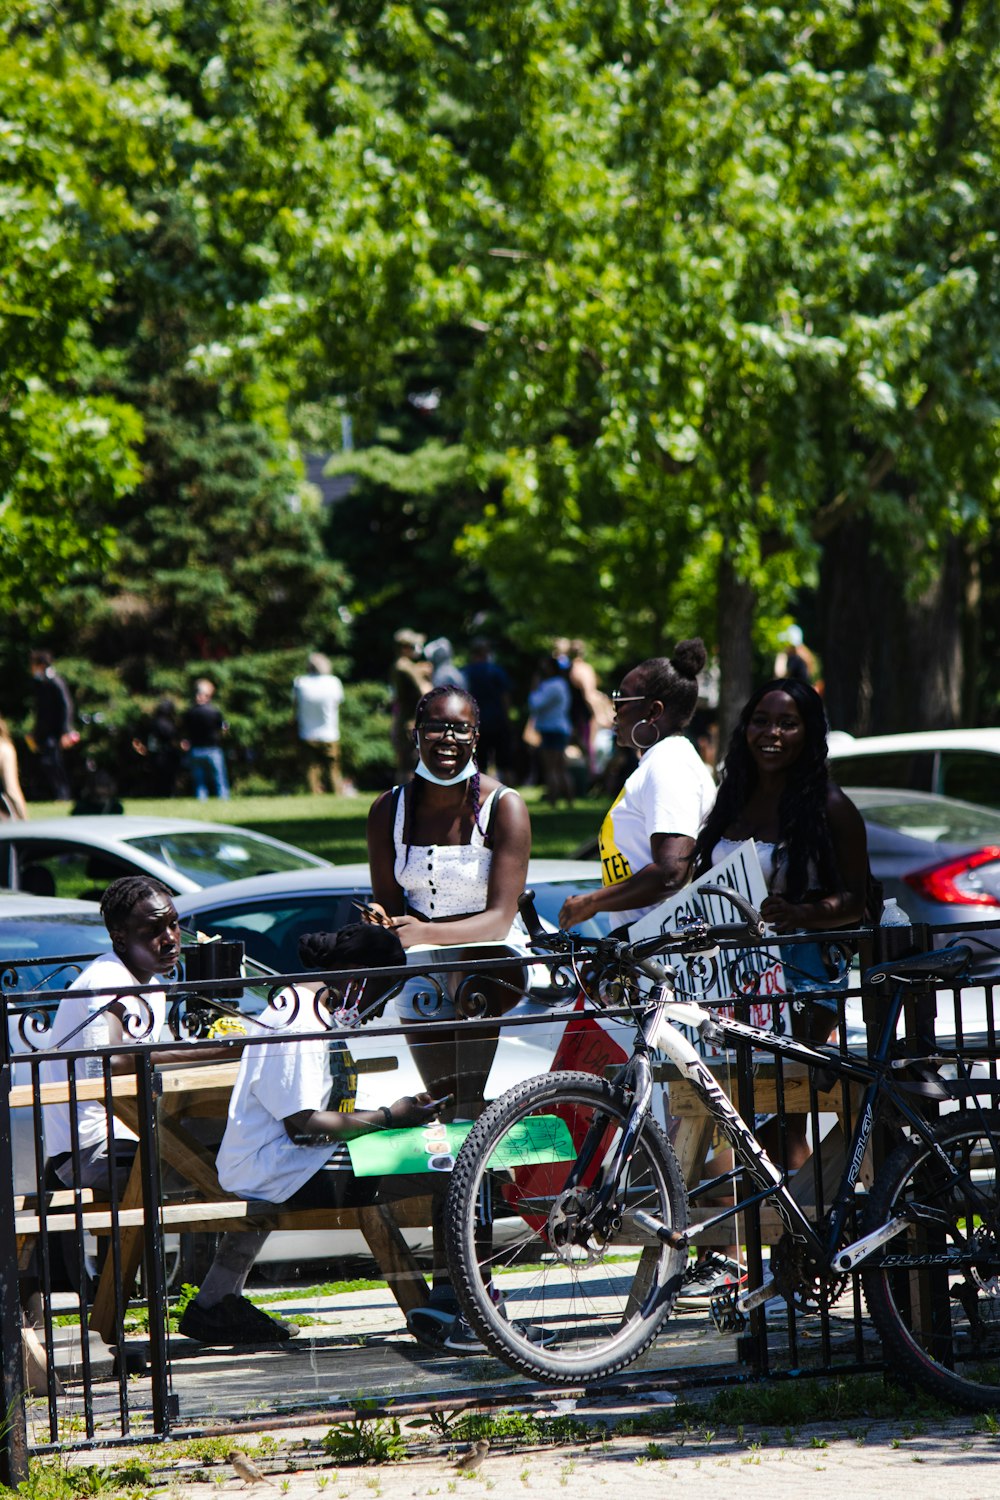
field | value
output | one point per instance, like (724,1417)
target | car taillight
(973,880)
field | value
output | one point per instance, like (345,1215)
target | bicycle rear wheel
(551,1296)
(934,1294)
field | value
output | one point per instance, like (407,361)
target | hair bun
(689,657)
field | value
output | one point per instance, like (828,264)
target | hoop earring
(654,741)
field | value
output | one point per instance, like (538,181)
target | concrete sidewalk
(863,1460)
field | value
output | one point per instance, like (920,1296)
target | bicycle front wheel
(934,1294)
(558,1291)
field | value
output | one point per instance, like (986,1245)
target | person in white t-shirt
(142,923)
(648,835)
(286,1140)
(318,695)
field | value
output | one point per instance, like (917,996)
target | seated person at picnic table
(286,1137)
(145,934)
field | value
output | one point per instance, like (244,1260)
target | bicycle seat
(921,968)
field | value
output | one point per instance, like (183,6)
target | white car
(78,857)
(962,763)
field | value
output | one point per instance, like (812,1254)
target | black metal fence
(69,1250)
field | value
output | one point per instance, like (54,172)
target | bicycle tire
(941,1329)
(594,1308)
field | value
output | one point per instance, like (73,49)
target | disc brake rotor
(572,1239)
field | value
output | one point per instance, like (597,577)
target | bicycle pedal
(725,1312)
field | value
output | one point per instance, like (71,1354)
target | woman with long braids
(810,838)
(647,838)
(449,854)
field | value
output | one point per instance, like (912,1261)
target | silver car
(78,857)
(271,912)
(939,857)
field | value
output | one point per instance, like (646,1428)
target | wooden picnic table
(200,1205)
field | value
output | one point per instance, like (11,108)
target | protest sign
(711,978)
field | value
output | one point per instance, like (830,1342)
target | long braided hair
(805,846)
(423,712)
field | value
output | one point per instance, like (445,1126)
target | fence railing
(90,1235)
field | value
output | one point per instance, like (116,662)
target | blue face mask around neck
(469,769)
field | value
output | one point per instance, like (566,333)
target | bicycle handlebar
(697,936)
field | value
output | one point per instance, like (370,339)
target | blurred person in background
(490,686)
(411,679)
(549,705)
(796,660)
(159,747)
(318,695)
(54,730)
(444,672)
(202,729)
(98,797)
(12,804)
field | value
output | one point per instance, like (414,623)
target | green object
(433,1148)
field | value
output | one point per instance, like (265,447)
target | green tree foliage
(734,276)
(706,298)
(67,451)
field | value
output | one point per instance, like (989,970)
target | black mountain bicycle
(580,1168)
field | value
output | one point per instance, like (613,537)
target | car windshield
(550,895)
(211,857)
(937,822)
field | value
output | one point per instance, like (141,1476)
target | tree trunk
(735,610)
(889,666)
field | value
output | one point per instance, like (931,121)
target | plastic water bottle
(895,933)
(893,914)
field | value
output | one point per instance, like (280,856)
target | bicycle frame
(772,1181)
(659,1030)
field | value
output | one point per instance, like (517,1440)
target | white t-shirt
(83,1009)
(317,701)
(670,791)
(257,1158)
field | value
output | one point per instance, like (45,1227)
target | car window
(913,769)
(45,938)
(55,869)
(937,822)
(972,775)
(271,929)
(210,857)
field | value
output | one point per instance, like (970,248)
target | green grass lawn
(334,827)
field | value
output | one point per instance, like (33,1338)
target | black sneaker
(233,1321)
(431,1323)
(707,1279)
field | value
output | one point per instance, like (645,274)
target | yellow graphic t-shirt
(614,866)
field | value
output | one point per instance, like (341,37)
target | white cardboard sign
(713,977)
